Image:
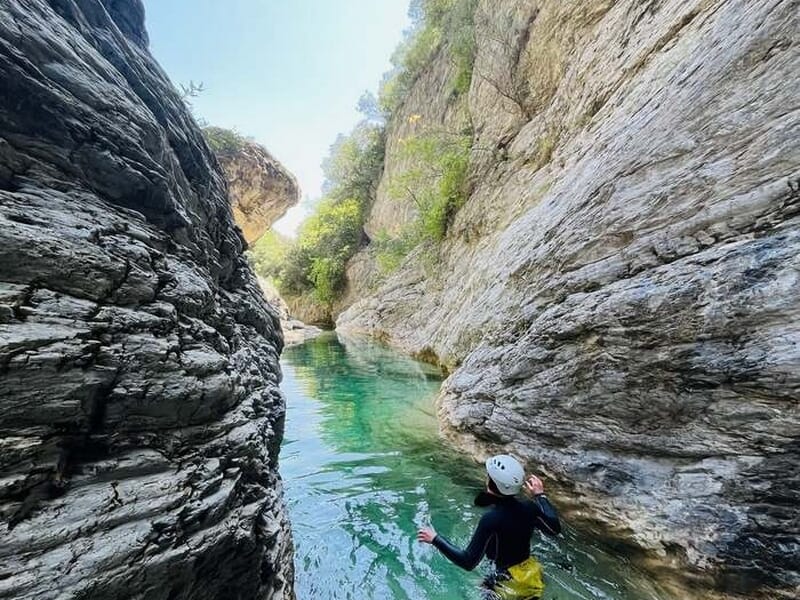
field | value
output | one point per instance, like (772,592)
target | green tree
(326,241)
(370,109)
(317,260)
(437,25)
(354,164)
(268,254)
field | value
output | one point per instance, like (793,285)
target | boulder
(261,189)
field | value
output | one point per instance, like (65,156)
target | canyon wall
(140,414)
(617,300)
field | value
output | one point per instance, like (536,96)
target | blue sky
(286,72)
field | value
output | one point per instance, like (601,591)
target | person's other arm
(471,556)
(545,515)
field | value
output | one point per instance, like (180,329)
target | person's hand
(533,486)
(426,535)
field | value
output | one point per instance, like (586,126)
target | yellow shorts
(525,582)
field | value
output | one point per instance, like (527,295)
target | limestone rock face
(140,415)
(261,188)
(618,298)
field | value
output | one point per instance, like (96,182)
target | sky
(286,72)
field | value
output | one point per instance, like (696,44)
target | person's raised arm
(468,558)
(545,514)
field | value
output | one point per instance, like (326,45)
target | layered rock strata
(140,415)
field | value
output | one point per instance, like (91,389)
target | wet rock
(140,415)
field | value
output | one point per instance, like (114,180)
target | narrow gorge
(582,215)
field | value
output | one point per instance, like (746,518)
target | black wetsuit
(504,532)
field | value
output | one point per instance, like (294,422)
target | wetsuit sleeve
(545,516)
(469,558)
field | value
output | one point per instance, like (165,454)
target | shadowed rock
(140,415)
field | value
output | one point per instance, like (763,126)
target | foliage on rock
(436,25)
(224,141)
(436,182)
(316,261)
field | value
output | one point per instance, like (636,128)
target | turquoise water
(364,468)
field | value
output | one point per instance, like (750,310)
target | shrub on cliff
(462,46)
(390,250)
(437,181)
(436,25)
(224,141)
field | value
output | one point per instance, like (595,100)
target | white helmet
(506,472)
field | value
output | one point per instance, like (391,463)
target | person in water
(504,532)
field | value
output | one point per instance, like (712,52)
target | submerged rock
(140,415)
(618,298)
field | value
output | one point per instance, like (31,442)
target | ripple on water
(364,468)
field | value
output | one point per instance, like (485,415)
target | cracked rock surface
(140,415)
(617,300)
